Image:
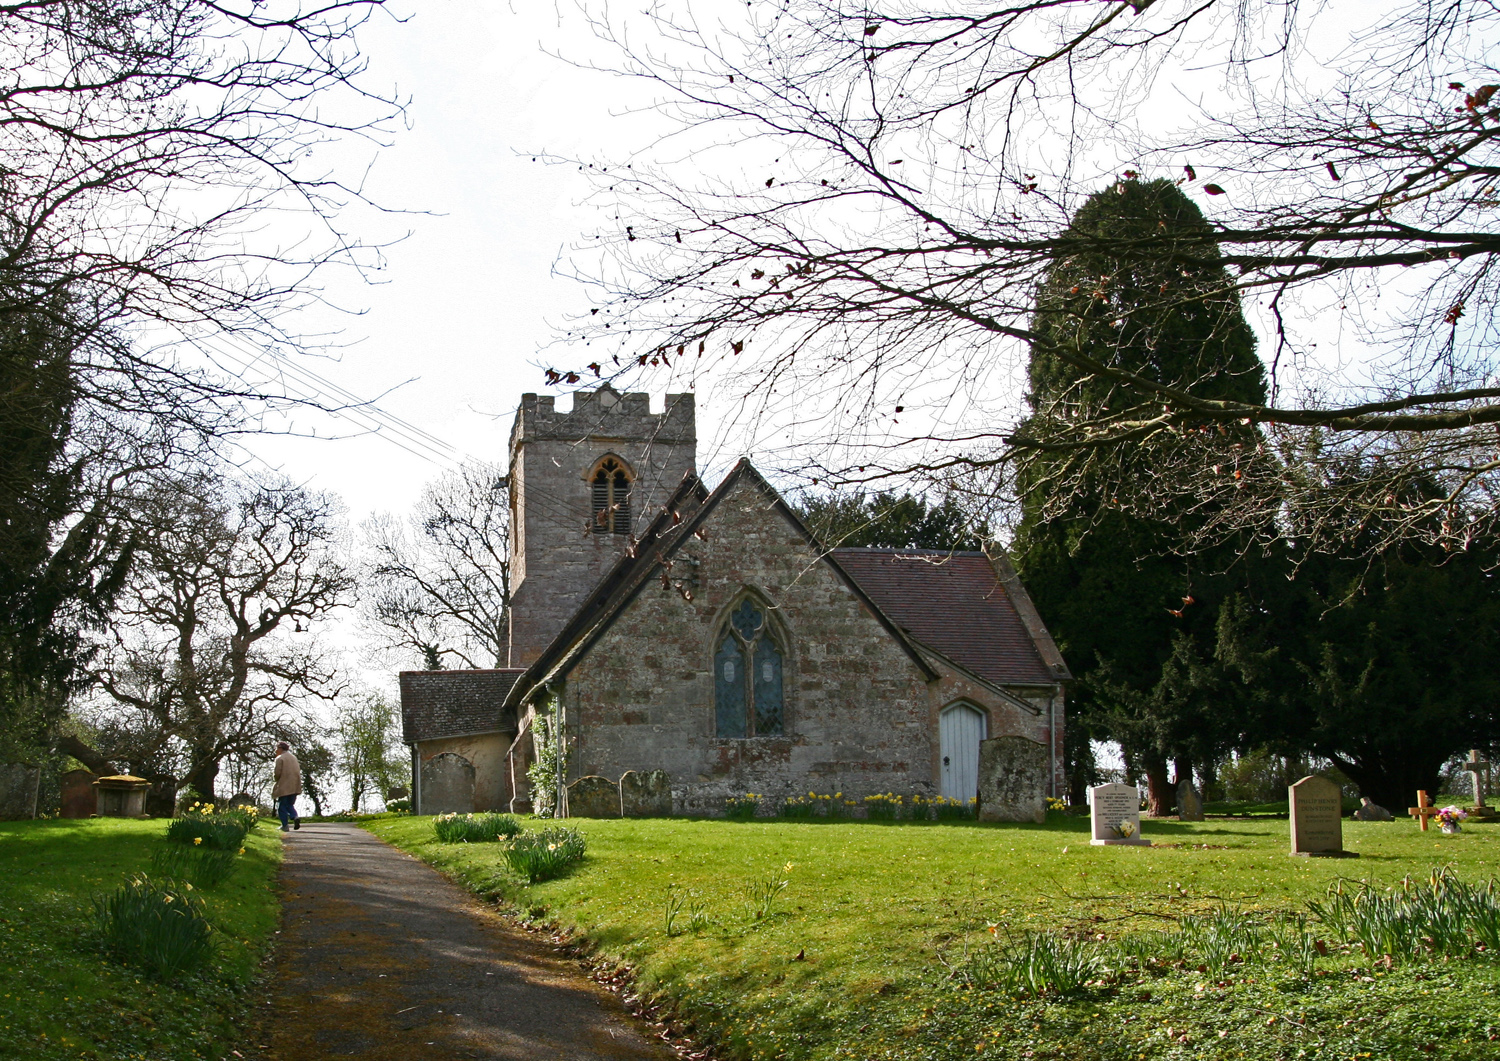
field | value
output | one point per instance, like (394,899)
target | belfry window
(611,508)
(747,677)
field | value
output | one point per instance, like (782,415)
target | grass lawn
(60,997)
(870,950)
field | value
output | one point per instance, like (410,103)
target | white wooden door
(960,729)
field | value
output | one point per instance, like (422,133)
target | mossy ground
(60,997)
(858,960)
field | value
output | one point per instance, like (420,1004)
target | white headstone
(1116,815)
(1317,813)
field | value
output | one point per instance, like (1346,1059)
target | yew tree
(1130,598)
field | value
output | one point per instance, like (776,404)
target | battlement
(605,414)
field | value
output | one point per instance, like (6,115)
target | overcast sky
(455,321)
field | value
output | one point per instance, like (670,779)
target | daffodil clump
(945,809)
(742,808)
(884,807)
(203,824)
(881,806)
(474,828)
(544,854)
(156,925)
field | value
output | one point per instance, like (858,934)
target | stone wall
(859,715)
(555,558)
(486,753)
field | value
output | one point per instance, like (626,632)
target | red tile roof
(953,603)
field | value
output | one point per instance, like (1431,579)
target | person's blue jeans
(286,810)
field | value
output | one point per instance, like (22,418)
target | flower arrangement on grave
(1125,830)
(1449,817)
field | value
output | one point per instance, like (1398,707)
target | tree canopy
(892,521)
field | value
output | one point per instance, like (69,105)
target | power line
(303,384)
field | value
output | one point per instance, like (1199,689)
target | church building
(708,634)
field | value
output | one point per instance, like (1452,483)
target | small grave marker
(1317,815)
(1116,815)
(1423,810)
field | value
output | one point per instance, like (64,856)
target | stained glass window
(748,700)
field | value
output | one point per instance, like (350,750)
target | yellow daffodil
(197,840)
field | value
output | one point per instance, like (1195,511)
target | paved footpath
(381,957)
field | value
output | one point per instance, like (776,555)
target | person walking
(287,786)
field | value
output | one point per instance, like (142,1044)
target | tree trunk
(1160,796)
(91,759)
(201,777)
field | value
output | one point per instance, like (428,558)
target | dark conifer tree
(1132,609)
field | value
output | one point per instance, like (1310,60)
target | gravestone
(447,785)
(161,797)
(1012,780)
(1189,803)
(18,789)
(242,799)
(1317,814)
(1481,771)
(1115,814)
(122,796)
(397,792)
(80,799)
(646,794)
(1370,811)
(593,797)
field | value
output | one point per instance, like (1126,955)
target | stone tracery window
(611,497)
(748,699)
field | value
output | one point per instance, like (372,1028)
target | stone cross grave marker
(1423,810)
(1317,814)
(1116,815)
(1481,771)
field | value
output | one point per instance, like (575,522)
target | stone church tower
(583,485)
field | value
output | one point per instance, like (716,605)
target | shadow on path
(380,957)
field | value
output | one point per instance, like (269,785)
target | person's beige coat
(288,776)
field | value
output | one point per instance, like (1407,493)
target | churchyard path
(380,957)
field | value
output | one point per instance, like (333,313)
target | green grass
(860,955)
(61,997)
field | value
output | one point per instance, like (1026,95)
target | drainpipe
(416,779)
(1052,743)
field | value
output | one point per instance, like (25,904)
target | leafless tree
(198,654)
(437,588)
(859,201)
(146,144)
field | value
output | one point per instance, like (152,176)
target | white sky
(456,319)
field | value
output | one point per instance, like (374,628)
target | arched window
(611,487)
(747,677)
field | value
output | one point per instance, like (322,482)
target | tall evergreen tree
(60,561)
(1133,610)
